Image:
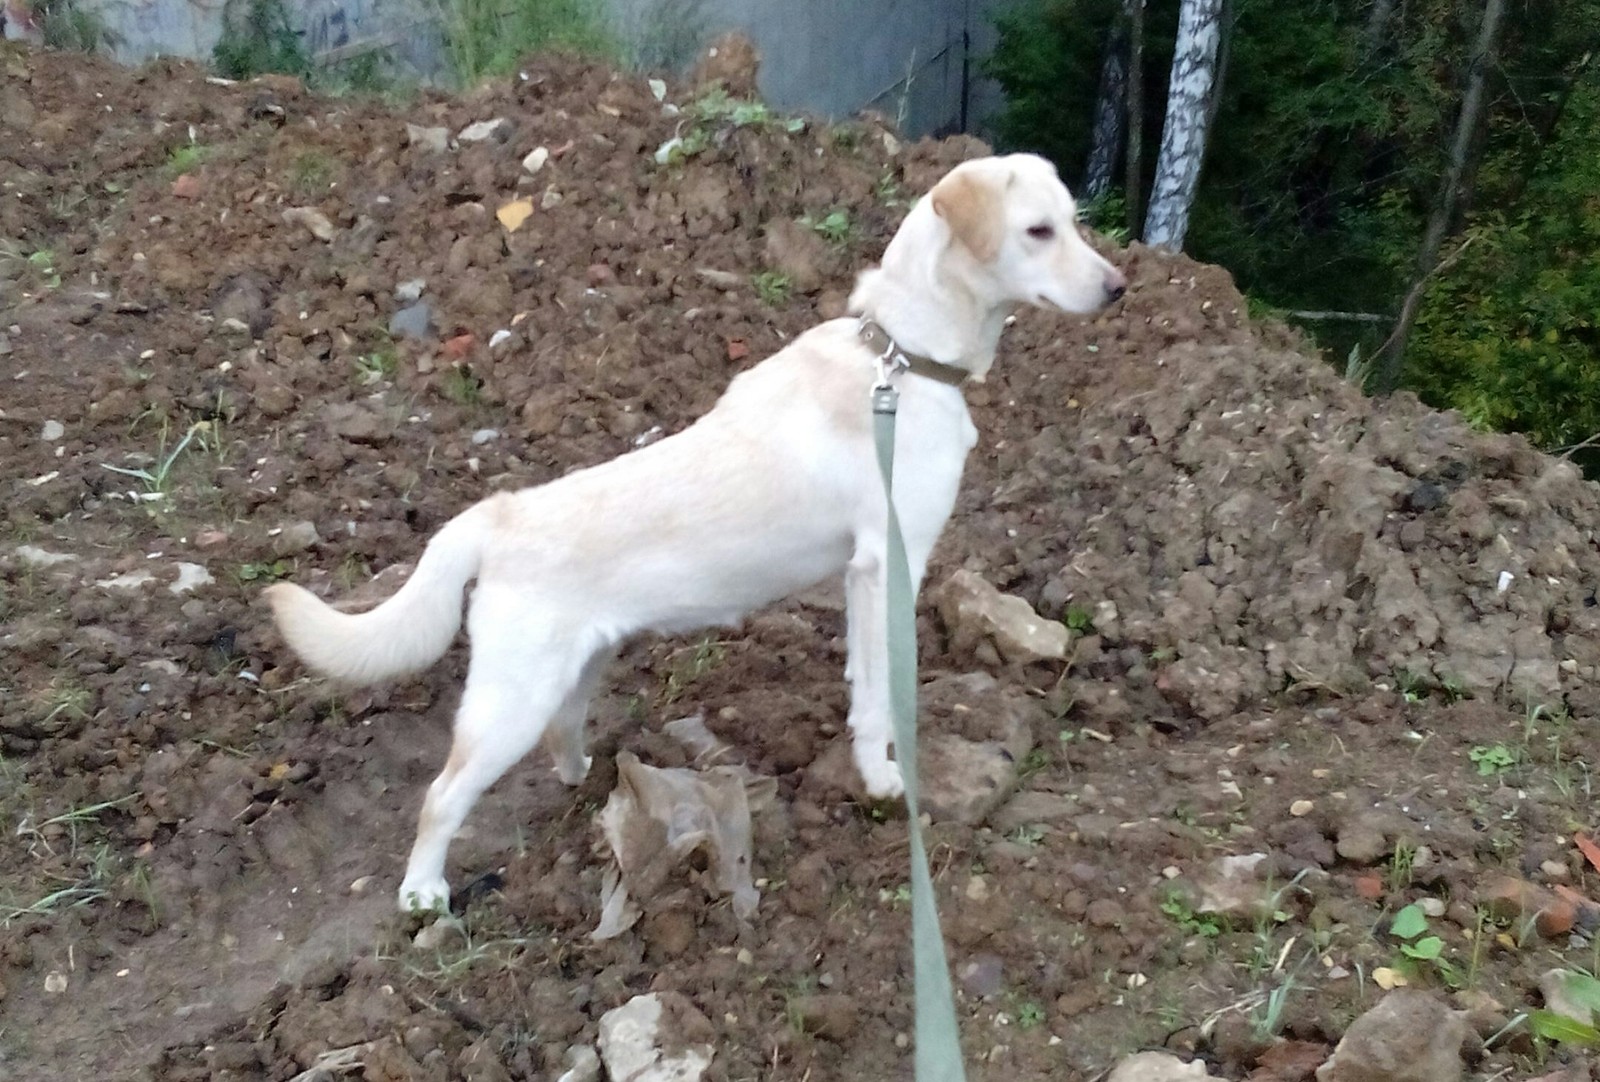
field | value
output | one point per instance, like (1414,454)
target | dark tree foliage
(1325,159)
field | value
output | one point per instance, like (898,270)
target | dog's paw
(428,896)
(882,779)
(573,773)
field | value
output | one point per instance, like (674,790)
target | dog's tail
(410,630)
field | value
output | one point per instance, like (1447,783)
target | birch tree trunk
(1110,110)
(1183,136)
(1392,353)
(1133,178)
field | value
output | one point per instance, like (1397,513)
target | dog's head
(1013,236)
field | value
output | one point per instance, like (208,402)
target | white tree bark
(1183,136)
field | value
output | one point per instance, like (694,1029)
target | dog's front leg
(867,668)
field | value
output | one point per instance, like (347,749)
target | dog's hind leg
(515,686)
(564,738)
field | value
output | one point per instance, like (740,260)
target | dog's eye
(1041,232)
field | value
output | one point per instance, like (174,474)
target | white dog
(775,489)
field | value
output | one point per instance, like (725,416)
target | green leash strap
(938,1047)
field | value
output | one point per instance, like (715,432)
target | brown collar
(878,341)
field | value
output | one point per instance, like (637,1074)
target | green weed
(1492,759)
(706,655)
(157,479)
(833,227)
(460,386)
(773,287)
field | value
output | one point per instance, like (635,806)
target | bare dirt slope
(1355,637)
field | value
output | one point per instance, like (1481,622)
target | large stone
(1157,1067)
(1408,1037)
(969,767)
(659,1037)
(975,614)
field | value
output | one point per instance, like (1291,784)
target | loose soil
(1286,596)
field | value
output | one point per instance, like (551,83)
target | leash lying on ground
(938,1041)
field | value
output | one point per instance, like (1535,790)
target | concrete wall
(903,58)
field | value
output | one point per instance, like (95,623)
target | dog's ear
(971,206)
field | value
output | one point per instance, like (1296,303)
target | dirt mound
(1257,526)
(248,333)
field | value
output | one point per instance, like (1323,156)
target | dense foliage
(1325,160)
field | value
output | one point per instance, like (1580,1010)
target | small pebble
(52,431)
(1301,808)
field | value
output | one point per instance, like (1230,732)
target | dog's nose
(1116,286)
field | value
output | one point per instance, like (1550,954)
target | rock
(38,557)
(975,612)
(1485,1015)
(967,774)
(434,139)
(1033,809)
(191,577)
(1105,913)
(478,1063)
(186,186)
(798,254)
(355,422)
(1233,887)
(983,976)
(1289,1061)
(439,934)
(1157,1067)
(636,1037)
(132,580)
(52,431)
(313,219)
(582,1063)
(1511,899)
(831,1017)
(243,298)
(484,435)
(295,538)
(408,291)
(1408,1037)
(1361,840)
(1563,994)
(732,62)
(498,129)
(412,321)
(536,159)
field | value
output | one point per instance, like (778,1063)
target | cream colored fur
(774,490)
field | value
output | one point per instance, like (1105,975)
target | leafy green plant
(689,666)
(1580,991)
(1178,907)
(487,38)
(1030,1015)
(71,26)
(377,366)
(888,191)
(833,227)
(1078,619)
(186,158)
(1492,759)
(712,118)
(1419,948)
(263,571)
(460,386)
(258,38)
(773,287)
